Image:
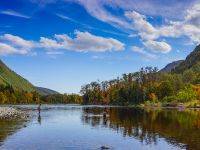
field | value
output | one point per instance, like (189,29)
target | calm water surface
(75,127)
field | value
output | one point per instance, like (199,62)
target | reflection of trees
(147,125)
(94,117)
(9,127)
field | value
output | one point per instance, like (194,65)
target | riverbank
(191,104)
(12,113)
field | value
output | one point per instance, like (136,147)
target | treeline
(9,95)
(62,99)
(145,86)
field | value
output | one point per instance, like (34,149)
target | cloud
(137,49)
(99,9)
(156,46)
(166,9)
(14,13)
(139,23)
(20,45)
(82,42)
(67,18)
(137,12)
(18,41)
(96,9)
(54,53)
(87,26)
(6,49)
(188,26)
(143,52)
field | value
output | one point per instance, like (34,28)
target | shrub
(186,94)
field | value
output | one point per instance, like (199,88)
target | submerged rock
(104,148)
(11,113)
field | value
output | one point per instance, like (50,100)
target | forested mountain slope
(9,77)
(168,68)
(192,61)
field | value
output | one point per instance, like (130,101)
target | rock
(11,113)
(104,147)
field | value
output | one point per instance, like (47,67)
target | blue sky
(63,44)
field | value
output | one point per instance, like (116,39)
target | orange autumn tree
(152,97)
(197,90)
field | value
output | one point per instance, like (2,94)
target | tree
(165,89)
(189,76)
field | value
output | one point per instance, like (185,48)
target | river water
(74,127)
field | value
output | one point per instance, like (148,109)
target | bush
(186,94)
(169,98)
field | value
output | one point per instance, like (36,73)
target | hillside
(168,68)
(9,77)
(191,61)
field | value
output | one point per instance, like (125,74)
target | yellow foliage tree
(197,90)
(152,97)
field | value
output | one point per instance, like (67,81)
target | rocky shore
(11,113)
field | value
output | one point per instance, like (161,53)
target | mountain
(45,91)
(171,66)
(191,61)
(9,77)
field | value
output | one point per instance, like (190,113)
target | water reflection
(180,128)
(39,119)
(9,127)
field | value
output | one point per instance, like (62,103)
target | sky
(64,44)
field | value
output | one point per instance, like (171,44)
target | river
(75,127)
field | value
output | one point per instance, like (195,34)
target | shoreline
(8,112)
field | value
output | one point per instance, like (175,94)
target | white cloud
(14,13)
(143,52)
(185,16)
(66,18)
(22,46)
(187,24)
(96,9)
(156,46)
(193,15)
(54,53)
(49,43)
(82,42)
(18,41)
(6,49)
(165,9)
(139,23)
(137,49)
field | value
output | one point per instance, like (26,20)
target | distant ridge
(193,59)
(45,91)
(168,68)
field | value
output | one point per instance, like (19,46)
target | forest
(9,95)
(147,86)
